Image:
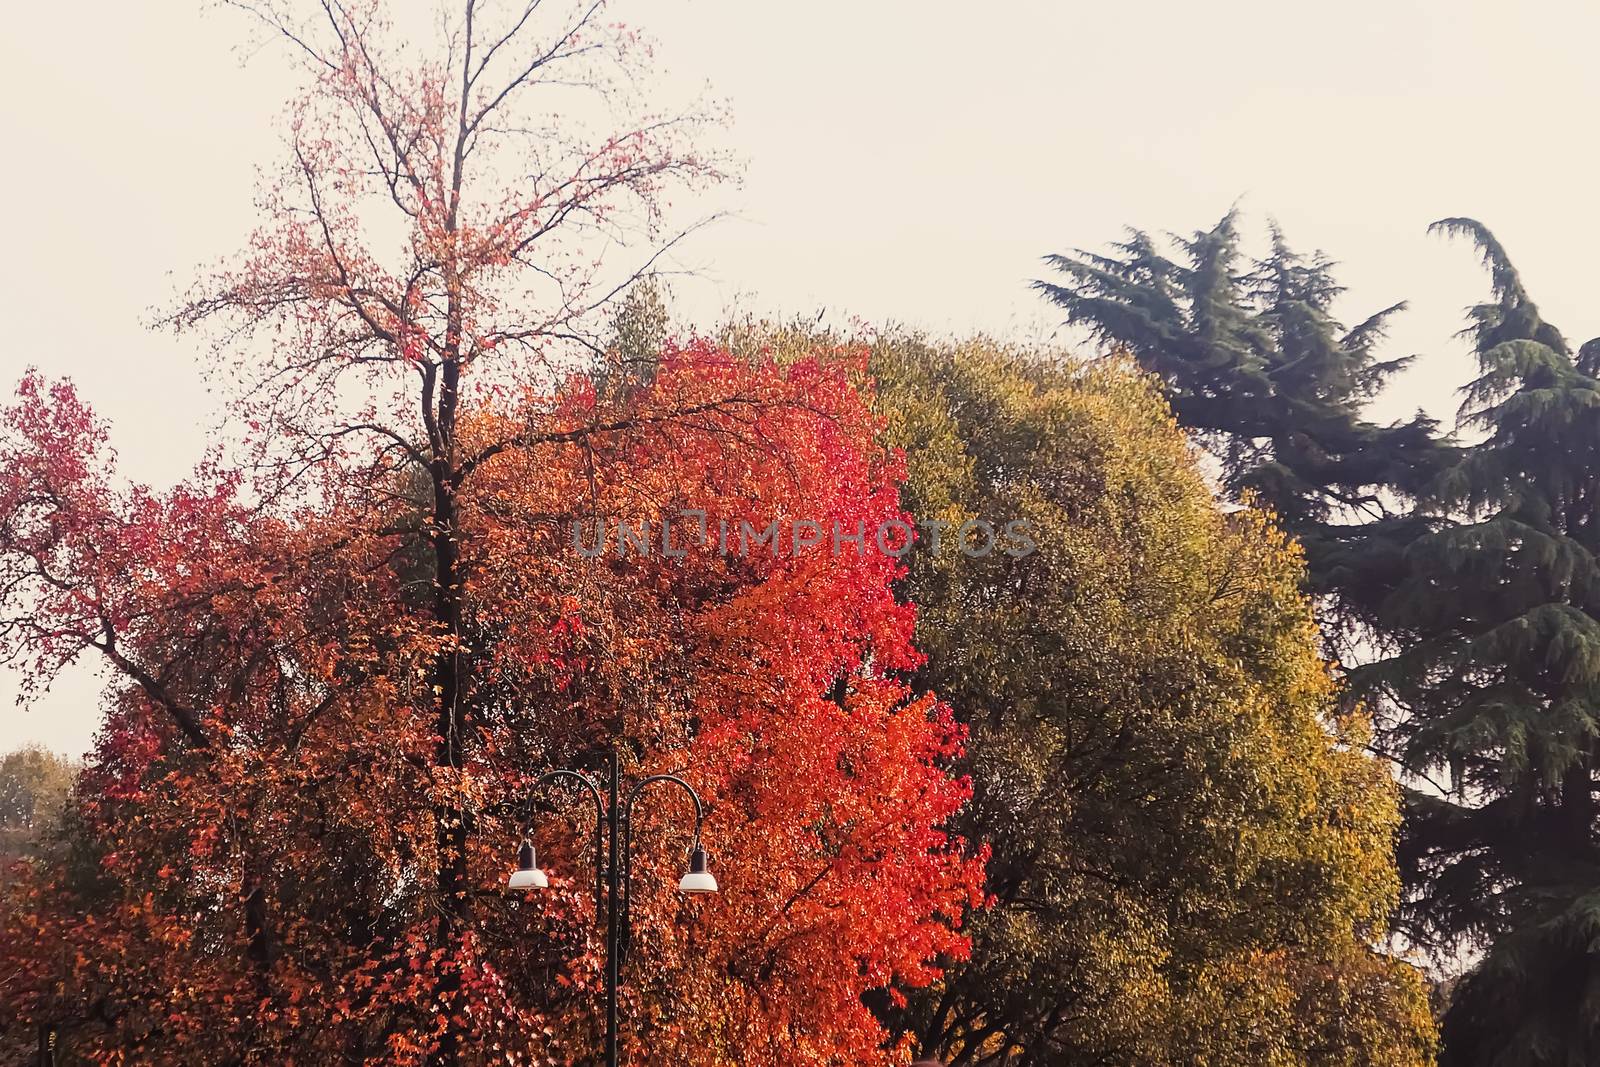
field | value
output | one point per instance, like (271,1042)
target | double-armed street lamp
(613,840)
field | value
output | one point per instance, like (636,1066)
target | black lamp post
(613,839)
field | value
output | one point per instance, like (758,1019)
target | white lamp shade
(699,878)
(533,878)
(697,882)
(527,875)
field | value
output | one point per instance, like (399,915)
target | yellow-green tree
(35,784)
(1193,857)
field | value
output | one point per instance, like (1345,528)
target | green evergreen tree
(1257,367)
(1496,680)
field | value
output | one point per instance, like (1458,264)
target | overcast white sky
(906,162)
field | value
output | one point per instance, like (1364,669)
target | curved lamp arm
(627,846)
(699,809)
(599,822)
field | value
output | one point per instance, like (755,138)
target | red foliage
(254,870)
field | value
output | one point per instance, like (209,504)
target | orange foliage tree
(343,659)
(257,849)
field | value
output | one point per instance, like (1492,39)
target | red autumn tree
(344,661)
(257,849)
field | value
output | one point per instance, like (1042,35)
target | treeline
(1106,802)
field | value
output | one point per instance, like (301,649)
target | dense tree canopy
(1192,854)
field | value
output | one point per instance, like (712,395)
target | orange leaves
(763,677)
